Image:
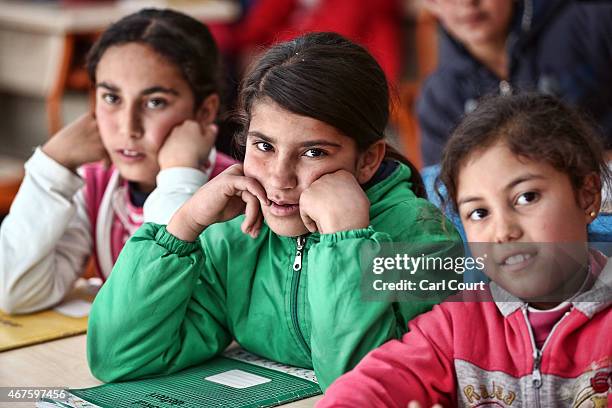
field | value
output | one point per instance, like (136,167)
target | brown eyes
(152,103)
(527,198)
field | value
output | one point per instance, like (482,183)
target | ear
(589,196)
(369,161)
(208,109)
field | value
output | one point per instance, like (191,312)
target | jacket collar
(589,303)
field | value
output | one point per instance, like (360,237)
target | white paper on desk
(74,308)
(238,379)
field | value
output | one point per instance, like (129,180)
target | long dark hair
(539,127)
(329,78)
(183,40)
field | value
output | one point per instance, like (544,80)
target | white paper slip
(237,379)
(244,356)
(74,308)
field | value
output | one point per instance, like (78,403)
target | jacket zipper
(295,285)
(536,374)
(527,18)
(505,88)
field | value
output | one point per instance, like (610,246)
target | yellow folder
(24,330)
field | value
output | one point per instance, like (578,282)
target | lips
(517,260)
(283,208)
(283,202)
(130,155)
(473,18)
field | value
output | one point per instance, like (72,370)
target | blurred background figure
(559,47)
(373,23)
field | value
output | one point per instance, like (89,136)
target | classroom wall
(24,121)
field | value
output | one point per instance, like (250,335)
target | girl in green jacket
(318,183)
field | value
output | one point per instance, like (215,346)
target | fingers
(248,184)
(309,223)
(210,131)
(85,117)
(87,123)
(334,175)
(252,214)
(258,224)
(232,182)
(209,135)
(234,169)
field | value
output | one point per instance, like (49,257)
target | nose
(282,173)
(131,123)
(506,228)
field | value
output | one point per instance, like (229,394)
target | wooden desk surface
(53,17)
(60,363)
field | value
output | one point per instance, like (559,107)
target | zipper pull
(297,263)
(536,374)
(505,88)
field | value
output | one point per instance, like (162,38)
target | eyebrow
(521,179)
(148,91)
(308,143)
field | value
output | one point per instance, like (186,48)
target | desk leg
(8,191)
(54,99)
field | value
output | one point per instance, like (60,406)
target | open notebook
(236,379)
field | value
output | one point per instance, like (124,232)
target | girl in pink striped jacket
(155,74)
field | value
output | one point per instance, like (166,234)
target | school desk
(37,40)
(11,173)
(60,363)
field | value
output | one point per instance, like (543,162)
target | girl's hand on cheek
(188,145)
(77,144)
(223,198)
(335,202)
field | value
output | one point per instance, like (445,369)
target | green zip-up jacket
(171,304)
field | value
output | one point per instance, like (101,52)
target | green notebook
(237,379)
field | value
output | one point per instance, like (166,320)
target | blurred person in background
(373,24)
(555,47)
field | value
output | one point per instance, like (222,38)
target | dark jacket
(560,47)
